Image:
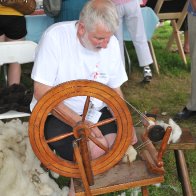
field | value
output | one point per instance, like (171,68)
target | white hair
(100,12)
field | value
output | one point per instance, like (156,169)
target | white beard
(87,44)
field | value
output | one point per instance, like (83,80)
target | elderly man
(84,49)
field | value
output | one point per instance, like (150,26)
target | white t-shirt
(61,57)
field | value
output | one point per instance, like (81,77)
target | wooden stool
(186,142)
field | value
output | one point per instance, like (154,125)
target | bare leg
(2,38)
(186,42)
(14,70)
(71,189)
(14,73)
(95,150)
(110,138)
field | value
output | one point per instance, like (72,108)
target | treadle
(120,177)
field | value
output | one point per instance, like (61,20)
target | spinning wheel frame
(80,88)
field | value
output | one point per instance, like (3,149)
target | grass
(168,93)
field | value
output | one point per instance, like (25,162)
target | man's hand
(62,112)
(95,132)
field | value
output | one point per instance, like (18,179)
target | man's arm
(70,117)
(193,3)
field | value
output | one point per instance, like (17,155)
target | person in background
(70,10)
(12,28)
(84,49)
(129,11)
(190,108)
(184,28)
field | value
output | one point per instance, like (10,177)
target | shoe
(184,114)
(147,74)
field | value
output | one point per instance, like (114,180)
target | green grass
(168,93)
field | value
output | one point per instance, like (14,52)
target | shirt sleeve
(118,73)
(46,60)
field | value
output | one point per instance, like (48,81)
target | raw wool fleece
(20,171)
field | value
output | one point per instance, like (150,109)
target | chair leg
(144,191)
(153,57)
(176,35)
(128,59)
(183,173)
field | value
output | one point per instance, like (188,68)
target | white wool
(20,171)
(54,174)
(44,189)
(162,124)
(151,123)
(130,155)
(176,131)
(13,179)
(1,159)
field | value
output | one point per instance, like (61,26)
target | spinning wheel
(90,89)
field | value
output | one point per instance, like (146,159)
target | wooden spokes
(98,143)
(50,101)
(90,126)
(60,137)
(103,122)
(86,106)
(63,136)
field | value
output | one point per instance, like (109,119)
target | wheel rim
(68,90)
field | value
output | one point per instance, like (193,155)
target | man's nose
(104,43)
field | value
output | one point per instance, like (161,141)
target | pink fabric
(120,1)
(143,2)
(134,138)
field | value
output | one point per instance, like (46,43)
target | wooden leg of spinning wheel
(183,173)
(85,155)
(144,191)
(81,168)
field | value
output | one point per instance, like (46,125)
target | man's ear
(81,29)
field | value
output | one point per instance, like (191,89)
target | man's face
(94,40)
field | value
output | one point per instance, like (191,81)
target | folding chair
(177,19)
(11,52)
